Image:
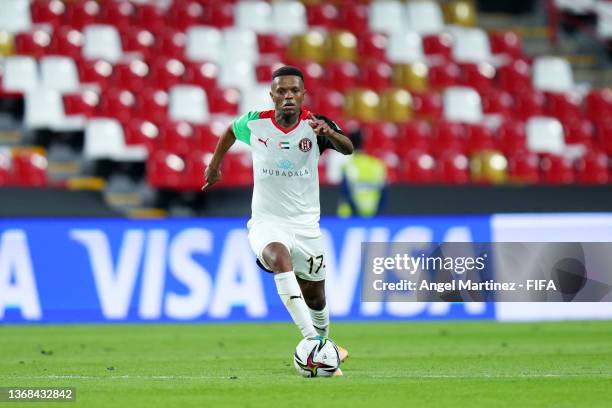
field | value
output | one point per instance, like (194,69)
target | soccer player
(284,232)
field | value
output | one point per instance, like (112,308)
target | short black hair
(288,70)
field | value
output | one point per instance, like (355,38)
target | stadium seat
(438,44)
(29,168)
(462,104)
(130,74)
(237,170)
(196,165)
(363,104)
(405,47)
(427,105)
(444,75)
(512,137)
(415,134)
(44,109)
(604,136)
(330,102)
(166,170)
(188,103)
(342,75)
(471,45)
(452,167)
(424,17)
(238,74)
(386,16)
(552,74)
(243,44)
(310,46)
(379,137)
(6,176)
(15,16)
(152,104)
(515,75)
(117,13)
(578,131)
(177,137)
(82,102)
(208,134)
(48,12)
(460,13)
(272,45)
(497,101)
(20,74)
(411,76)
(479,138)
(81,13)
(353,16)
(448,136)
(219,14)
(104,139)
(598,104)
(256,98)
(102,41)
(166,72)
(372,46)
(556,169)
(224,100)
(95,72)
(545,135)
(323,15)
(116,104)
(202,74)
(342,46)
(198,35)
(529,103)
(142,132)
(489,167)
(506,43)
(593,168)
(184,14)
(289,17)
(59,73)
(150,15)
(138,40)
(376,75)
(314,73)
(479,76)
(67,41)
(603,10)
(255,15)
(7,44)
(417,167)
(35,43)
(396,105)
(524,167)
(562,105)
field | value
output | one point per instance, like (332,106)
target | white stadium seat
(255,15)
(256,98)
(20,74)
(603,10)
(204,44)
(577,6)
(15,15)
(104,139)
(424,17)
(386,16)
(289,17)
(545,135)
(188,103)
(462,104)
(471,45)
(553,74)
(44,109)
(236,73)
(405,47)
(102,41)
(59,73)
(242,43)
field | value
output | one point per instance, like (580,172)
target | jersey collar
(303,115)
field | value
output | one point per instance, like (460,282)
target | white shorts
(304,245)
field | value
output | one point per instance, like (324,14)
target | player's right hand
(211,176)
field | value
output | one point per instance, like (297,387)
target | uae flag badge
(283,145)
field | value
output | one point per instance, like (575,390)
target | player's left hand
(320,127)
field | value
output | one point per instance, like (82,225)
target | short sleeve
(324,142)
(240,126)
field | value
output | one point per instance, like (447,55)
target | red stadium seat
(329,102)
(29,168)
(579,131)
(150,16)
(529,103)
(414,135)
(81,13)
(562,106)
(152,104)
(224,100)
(185,13)
(166,72)
(417,167)
(67,41)
(130,74)
(593,168)
(598,104)
(142,132)
(166,170)
(203,74)
(448,136)
(271,44)
(265,68)
(444,75)
(207,135)
(453,167)
(515,76)
(139,40)
(35,43)
(48,12)
(479,137)
(506,42)
(342,76)
(478,76)
(237,170)
(116,103)
(376,75)
(95,72)
(219,14)
(512,137)
(372,46)
(118,13)
(556,170)
(171,43)
(427,105)
(196,165)
(439,44)
(604,136)
(353,16)
(496,100)
(524,167)
(6,176)
(313,74)
(379,138)
(322,15)
(81,103)
(179,137)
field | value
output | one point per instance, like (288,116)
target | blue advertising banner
(116,270)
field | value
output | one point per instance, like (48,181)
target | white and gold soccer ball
(316,357)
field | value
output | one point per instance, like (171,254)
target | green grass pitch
(399,364)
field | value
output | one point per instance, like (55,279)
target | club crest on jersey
(305,144)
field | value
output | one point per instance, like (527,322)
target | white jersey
(285,167)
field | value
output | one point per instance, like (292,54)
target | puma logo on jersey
(265,142)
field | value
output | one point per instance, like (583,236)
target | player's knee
(277,257)
(316,302)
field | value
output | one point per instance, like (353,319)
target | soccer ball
(316,357)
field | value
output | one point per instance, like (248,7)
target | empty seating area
(440,100)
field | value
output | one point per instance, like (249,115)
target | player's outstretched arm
(212,174)
(341,143)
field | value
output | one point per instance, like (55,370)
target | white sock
(320,320)
(291,295)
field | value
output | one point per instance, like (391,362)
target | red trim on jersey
(270,115)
